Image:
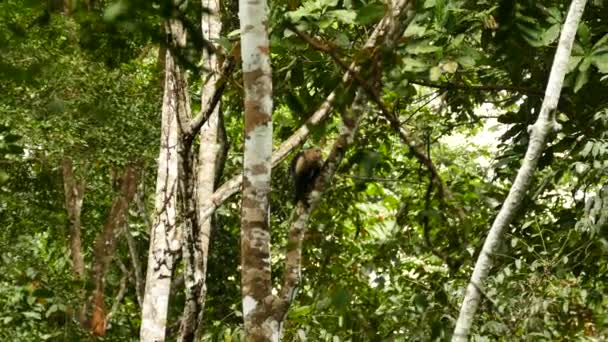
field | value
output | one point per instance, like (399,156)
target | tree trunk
(74,194)
(210,160)
(106,244)
(538,134)
(256,285)
(164,236)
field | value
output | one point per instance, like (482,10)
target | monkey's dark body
(305,168)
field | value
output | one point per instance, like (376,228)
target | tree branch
(389,115)
(199,120)
(392,25)
(538,134)
(487,87)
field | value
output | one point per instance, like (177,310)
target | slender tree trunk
(256,285)
(137,267)
(74,194)
(210,160)
(538,134)
(164,236)
(106,244)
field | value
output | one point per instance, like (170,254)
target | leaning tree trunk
(164,236)
(538,134)
(256,285)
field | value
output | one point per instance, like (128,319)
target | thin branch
(488,87)
(539,132)
(121,292)
(202,117)
(138,269)
(389,115)
(392,25)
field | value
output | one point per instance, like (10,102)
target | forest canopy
(448,170)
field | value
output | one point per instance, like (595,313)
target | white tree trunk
(256,285)
(164,236)
(538,134)
(210,160)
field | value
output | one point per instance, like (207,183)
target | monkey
(305,168)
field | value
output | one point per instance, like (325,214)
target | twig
(488,87)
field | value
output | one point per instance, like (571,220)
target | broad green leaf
(555,15)
(422,47)
(434,73)
(3,177)
(10,138)
(449,67)
(327,3)
(414,30)
(581,79)
(550,35)
(414,64)
(344,16)
(585,63)
(32,315)
(573,62)
(601,62)
(587,149)
(583,34)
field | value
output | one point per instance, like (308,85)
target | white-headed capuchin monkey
(305,167)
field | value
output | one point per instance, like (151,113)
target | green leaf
(583,34)
(344,16)
(414,30)
(600,62)
(4,177)
(550,35)
(413,64)
(555,15)
(422,47)
(420,302)
(9,138)
(434,73)
(581,79)
(370,14)
(573,62)
(587,149)
(43,293)
(32,315)
(585,63)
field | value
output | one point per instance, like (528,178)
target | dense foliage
(386,255)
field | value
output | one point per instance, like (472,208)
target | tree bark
(256,285)
(74,195)
(538,134)
(105,245)
(210,160)
(165,234)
